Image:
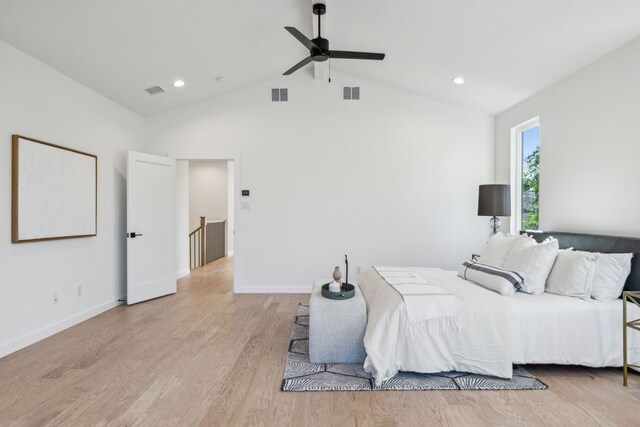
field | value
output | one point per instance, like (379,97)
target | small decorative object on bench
(337,290)
(337,275)
(336,285)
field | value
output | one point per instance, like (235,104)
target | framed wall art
(54,191)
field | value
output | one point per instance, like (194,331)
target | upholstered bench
(336,328)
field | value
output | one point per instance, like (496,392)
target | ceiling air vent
(154,90)
(351,93)
(279,95)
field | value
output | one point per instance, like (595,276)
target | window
(525,175)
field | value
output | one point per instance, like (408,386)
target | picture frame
(54,191)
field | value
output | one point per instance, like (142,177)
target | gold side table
(634,297)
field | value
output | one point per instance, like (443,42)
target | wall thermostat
(245,192)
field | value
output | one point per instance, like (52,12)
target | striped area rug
(302,375)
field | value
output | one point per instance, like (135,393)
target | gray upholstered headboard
(599,243)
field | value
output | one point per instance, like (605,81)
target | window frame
(516,170)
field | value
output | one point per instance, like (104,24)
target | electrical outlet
(55,298)
(79,290)
(358,269)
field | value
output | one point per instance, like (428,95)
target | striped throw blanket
(430,309)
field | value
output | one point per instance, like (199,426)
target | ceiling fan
(319,47)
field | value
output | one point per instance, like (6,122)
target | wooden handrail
(195,231)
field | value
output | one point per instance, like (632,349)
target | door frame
(237,226)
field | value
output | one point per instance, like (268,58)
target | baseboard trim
(229,253)
(240,289)
(40,334)
(183,273)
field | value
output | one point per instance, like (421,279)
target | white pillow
(573,273)
(497,249)
(491,277)
(611,275)
(523,241)
(532,260)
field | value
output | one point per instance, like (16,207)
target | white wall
(390,179)
(589,146)
(207,191)
(39,102)
(231,194)
(182,217)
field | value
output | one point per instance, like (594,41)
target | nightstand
(634,297)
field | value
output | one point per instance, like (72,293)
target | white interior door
(151,225)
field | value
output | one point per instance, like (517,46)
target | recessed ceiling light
(178,83)
(458,80)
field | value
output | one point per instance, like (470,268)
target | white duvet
(481,345)
(563,330)
(495,331)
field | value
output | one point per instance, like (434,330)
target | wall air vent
(351,93)
(154,90)
(279,95)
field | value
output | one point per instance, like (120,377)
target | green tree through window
(531,190)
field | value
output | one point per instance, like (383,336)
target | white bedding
(481,345)
(563,330)
(430,309)
(495,331)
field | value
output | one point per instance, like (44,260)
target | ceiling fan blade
(344,54)
(301,38)
(296,67)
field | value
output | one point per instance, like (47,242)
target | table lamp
(494,200)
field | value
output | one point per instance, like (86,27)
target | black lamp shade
(494,200)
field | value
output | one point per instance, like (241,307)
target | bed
(497,331)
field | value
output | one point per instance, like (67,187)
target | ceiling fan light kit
(319,47)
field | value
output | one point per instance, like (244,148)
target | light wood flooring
(208,357)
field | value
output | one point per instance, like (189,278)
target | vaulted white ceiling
(506,50)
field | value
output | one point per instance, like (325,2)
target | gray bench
(336,328)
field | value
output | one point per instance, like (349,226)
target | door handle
(133,235)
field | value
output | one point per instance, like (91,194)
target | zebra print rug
(302,375)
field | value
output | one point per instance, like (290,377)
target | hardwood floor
(208,357)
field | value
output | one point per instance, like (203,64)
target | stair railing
(197,245)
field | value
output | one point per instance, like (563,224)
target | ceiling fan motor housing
(320,55)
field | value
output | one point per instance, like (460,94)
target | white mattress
(556,329)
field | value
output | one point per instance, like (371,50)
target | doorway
(205,212)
